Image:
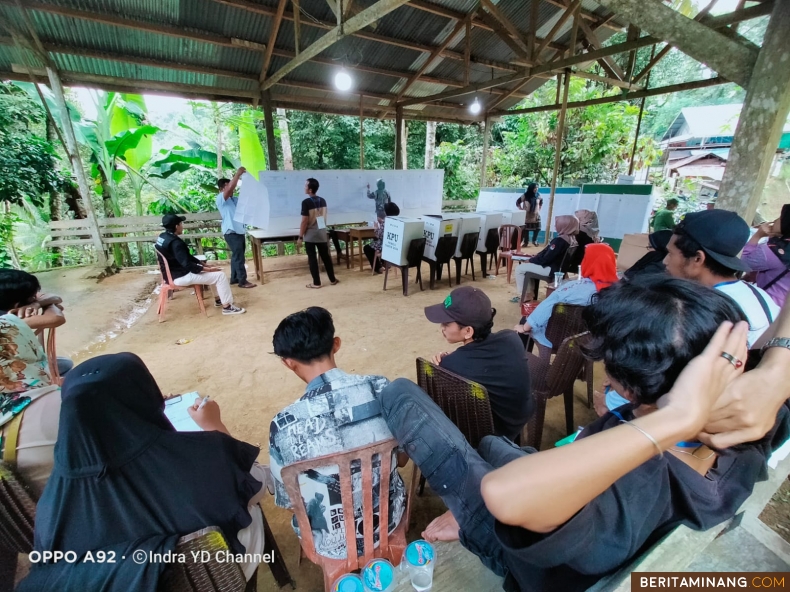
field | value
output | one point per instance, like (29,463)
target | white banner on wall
(273,202)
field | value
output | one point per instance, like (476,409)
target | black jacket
(552,255)
(179,259)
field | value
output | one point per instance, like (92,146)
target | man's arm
(542,491)
(227,191)
(748,408)
(51,317)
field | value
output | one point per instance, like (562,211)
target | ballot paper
(176,411)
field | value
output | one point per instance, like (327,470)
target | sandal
(313,286)
(515,299)
(335,283)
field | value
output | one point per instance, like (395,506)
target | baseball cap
(169,220)
(466,306)
(721,234)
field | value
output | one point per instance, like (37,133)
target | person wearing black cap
(186,270)
(495,360)
(704,248)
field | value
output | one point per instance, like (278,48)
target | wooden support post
(761,121)
(404,133)
(558,153)
(398,137)
(639,119)
(268,121)
(297,23)
(430,144)
(285,140)
(486,136)
(361,134)
(467,50)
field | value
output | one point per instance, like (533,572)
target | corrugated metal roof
(202,62)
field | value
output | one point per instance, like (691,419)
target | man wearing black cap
(186,270)
(705,248)
(495,360)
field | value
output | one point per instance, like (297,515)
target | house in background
(697,146)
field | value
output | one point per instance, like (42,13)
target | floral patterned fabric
(23,362)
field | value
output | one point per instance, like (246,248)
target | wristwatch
(777,342)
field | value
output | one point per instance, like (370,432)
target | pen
(203,403)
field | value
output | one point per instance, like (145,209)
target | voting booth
(467,223)
(488,221)
(399,231)
(436,227)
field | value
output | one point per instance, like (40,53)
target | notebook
(176,411)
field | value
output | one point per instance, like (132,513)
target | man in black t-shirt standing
(314,233)
(495,360)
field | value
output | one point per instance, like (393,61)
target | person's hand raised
(240,171)
(705,378)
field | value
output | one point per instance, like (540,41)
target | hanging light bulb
(475,107)
(343,80)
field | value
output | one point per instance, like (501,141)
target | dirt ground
(229,357)
(776,514)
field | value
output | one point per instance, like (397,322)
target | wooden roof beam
(729,58)
(592,38)
(557,26)
(355,23)
(267,56)
(506,30)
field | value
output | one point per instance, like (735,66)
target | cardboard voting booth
(436,227)
(488,221)
(517,217)
(632,249)
(399,231)
(467,223)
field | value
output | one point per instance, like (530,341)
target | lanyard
(726,283)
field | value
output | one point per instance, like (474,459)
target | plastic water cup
(558,279)
(379,576)
(348,583)
(419,560)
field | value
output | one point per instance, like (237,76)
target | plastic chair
(391,546)
(48,343)
(413,259)
(468,247)
(17,516)
(566,320)
(566,266)
(168,286)
(506,250)
(550,379)
(445,249)
(492,246)
(463,401)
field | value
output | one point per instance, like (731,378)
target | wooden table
(257,238)
(359,234)
(456,569)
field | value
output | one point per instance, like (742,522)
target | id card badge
(320,221)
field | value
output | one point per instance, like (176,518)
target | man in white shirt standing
(705,248)
(234,231)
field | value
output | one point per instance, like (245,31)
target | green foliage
(180,159)
(6,239)
(461,176)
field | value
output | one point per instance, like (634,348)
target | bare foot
(443,528)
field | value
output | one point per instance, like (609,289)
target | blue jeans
(451,466)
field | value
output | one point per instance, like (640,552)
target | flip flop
(335,283)
(313,287)
(515,299)
(248,285)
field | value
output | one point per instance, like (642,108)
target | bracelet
(648,436)
(777,342)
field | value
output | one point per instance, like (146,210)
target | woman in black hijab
(653,261)
(530,201)
(125,479)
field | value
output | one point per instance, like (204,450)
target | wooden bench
(133,229)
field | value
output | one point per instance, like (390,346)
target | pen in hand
(203,402)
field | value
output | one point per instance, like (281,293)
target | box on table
(468,223)
(399,231)
(436,227)
(488,221)
(632,249)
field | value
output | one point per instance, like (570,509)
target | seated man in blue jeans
(563,518)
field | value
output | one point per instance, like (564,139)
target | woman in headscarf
(588,233)
(599,270)
(390,209)
(548,261)
(653,260)
(771,260)
(381,197)
(125,479)
(531,202)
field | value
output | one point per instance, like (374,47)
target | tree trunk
(405,135)
(71,196)
(430,144)
(54,200)
(285,138)
(109,213)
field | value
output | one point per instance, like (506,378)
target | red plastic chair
(506,251)
(168,286)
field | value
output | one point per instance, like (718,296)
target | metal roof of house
(708,122)
(215,49)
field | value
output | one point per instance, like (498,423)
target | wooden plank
(354,24)
(267,57)
(151,239)
(67,243)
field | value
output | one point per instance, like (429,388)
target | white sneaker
(233,310)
